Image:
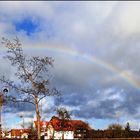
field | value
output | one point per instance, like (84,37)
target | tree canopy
(115,126)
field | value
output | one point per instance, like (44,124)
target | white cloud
(25,9)
(98,12)
(79,28)
(128,17)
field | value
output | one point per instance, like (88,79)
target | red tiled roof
(19,132)
(68,125)
(56,123)
(41,123)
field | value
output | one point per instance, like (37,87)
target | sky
(95,47)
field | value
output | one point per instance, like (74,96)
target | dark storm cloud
(110,102)
(110,108)
(104,110)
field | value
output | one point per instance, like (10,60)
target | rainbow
(72,52)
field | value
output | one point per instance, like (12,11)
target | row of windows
(79,130)
(65,132)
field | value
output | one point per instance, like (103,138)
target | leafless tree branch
(29,69)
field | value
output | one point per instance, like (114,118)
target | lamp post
(3,91)
(22,117)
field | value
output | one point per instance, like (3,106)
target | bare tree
(127,127)
(115,126)
(32,85)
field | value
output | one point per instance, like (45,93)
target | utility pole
(22,117)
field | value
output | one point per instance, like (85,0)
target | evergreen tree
(127,128)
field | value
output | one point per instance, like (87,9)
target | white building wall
(24,135)
(51,133)
(67,134)
(59,134)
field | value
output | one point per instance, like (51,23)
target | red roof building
(20,133)
(78,128)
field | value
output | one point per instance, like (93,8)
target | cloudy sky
(95,46)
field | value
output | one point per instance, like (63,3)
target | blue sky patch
(27,25)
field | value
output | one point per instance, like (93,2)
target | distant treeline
(113,134)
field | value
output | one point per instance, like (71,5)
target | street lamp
(3,91)
(22,117)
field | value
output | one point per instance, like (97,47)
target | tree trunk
(62,124)
(37,109)
(38,121)
(62,135)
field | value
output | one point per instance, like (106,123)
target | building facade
(63,129)
(19,133)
